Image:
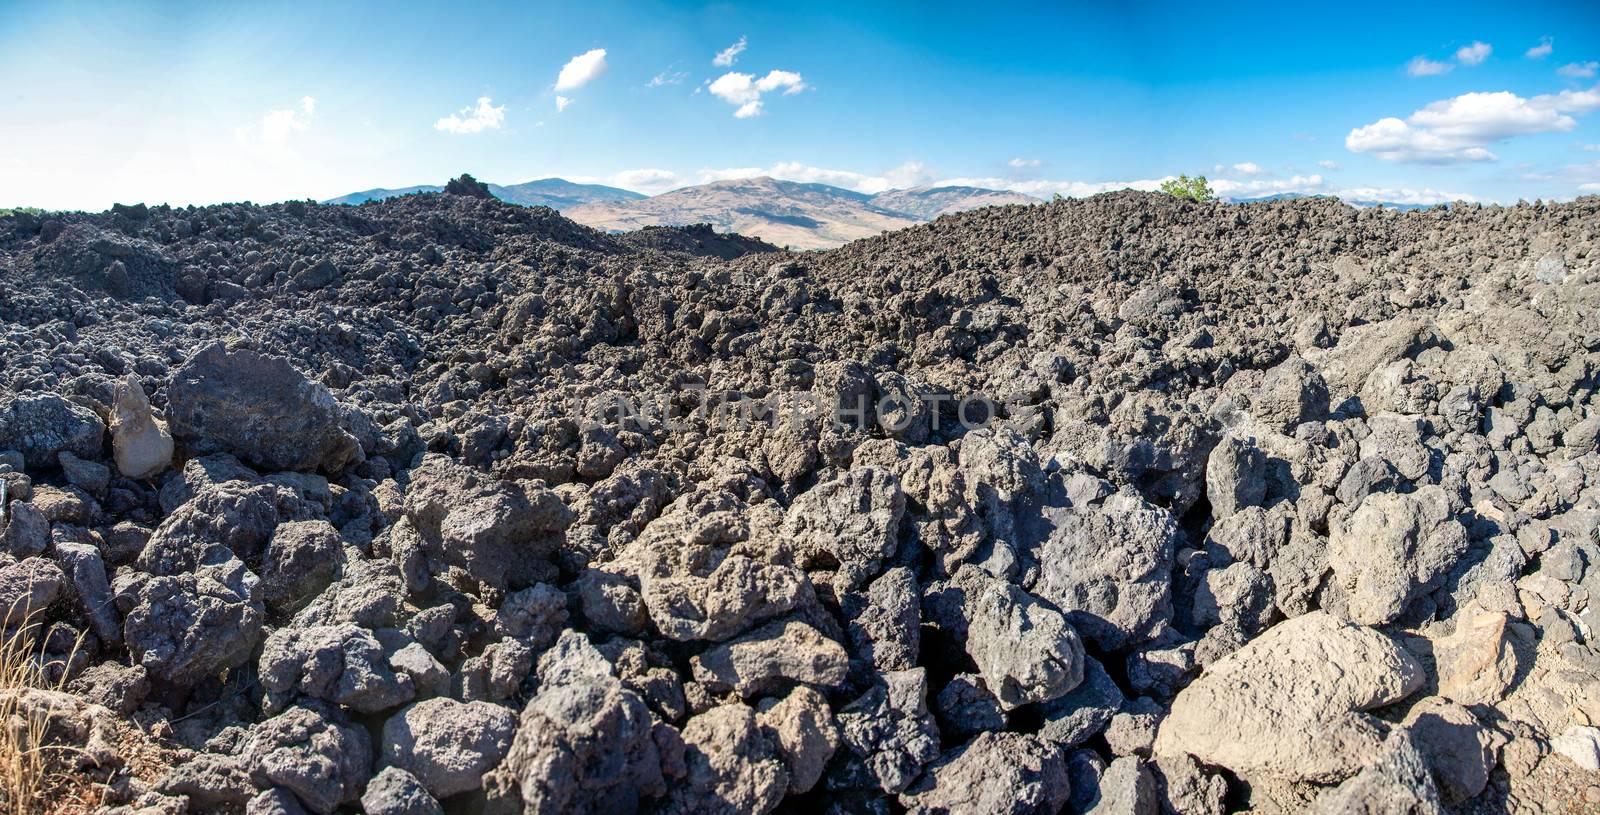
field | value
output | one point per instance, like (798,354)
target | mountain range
(790,214)
(785,213)
(556,193)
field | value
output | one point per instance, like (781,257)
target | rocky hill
(555,193)
(1119,504)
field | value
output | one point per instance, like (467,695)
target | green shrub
(1194,189)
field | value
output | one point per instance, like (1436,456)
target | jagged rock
(90,476)
(995,772)
(849,525)
(40,426)
(324,761)
(697,581)
(888,734)
(1396,780)
(1475,663)
(343,664)
(116,687)
(28,588)
(732,766)
(1291,393)
(770,657)
(448,745)
(1127,786)
(300,560)
(583,746)
(884,623)
(140,442)
(1457,748)
(1289,703)
(210,782)
(1186,788)
(1393,547)
(1023,648)
(500,532)
(394,791)
(534,615)
(572,659)
(275,801)
(1581,744)
(87,572)
(259,408)
(26,531)
(1108,568)
(802,727)
(966,708)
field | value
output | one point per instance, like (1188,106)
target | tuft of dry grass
(32,771)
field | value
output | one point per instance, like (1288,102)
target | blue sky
(206,102)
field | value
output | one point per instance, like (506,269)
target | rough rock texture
(1194,505)
(1290,703)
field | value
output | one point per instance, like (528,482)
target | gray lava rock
(324,761)
(849,524)
(342,664)
(584,746)
(995,772)
(394,791)
(775,655)
(448,745)
(42,425)
(259,408)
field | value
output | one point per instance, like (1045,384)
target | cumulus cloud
(727,56)
(1579,70)
(745,90)
(1253,188)
(1422,66)
(581,70)
(646,180)
(483,116)
(909,174)
(1328,165)
(1402,195)
(1244,168)
(1541,50)
(1460,129)
(1474,54)
(277,126)
(1025,163)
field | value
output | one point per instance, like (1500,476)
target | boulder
(41,426)
(313,753)
(342,664)
(802,727)
(394,791)
(140,442)
(888,735)
(733,767)
(1108,568)
(500,532)
(1396,780)
(258,408)
(1393,547)
(448,745)
(1289,704)
(849,525)
(772,657)
(1009,773)
(584,746)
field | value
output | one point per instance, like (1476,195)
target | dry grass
(35,777)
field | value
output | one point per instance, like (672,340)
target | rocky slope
(556,193)
(1121,504)
(783,213)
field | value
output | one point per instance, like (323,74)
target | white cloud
(1248,168)
(1589,187)
(909,174)
(1474,54)
(484,116)
(1267,186)
(1579,70)
(276,126)
(1025,163)
(727,56)
(1460,129)
(1541,50)
(1422,66)
(581,70)
(1402,195)
(666,78)
(745,90)
(1047,188)
(1328,165)
(561,103)
(646,180)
